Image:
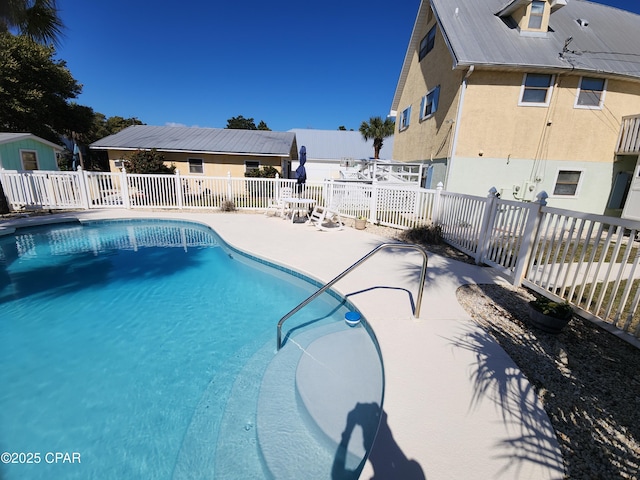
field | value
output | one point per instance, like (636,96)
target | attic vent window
(582,22)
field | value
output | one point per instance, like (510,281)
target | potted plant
(549,315)
(361,222)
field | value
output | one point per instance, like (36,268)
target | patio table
(298,204)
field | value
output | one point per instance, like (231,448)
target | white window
(535,15)
(29,159)
(427,43)
(567,183)
(251,166)
(196,166)
(591,93)
(536,90)
(430,103)
(405,117)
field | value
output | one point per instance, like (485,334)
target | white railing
(629,136)
(590,260)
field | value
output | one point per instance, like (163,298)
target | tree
(35,89)
(35,19)
(84,126)
(38,20)
(241,123)
(147,161)
(378,130)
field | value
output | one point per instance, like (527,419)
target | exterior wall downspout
(456,131)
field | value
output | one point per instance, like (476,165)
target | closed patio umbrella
(301,172)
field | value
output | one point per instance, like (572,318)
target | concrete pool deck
(455,405)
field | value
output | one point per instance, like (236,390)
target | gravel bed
(586,378)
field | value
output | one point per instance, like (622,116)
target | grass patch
(575,252)
(608,287)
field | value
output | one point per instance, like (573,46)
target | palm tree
(36,19)
(378,130)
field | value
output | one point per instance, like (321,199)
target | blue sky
(292,64)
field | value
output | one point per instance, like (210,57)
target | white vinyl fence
(592,261)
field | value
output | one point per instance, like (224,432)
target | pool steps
(303,405)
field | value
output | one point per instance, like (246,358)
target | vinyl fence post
(179,192)
(484,235)
(437,205)
(529,238)
(124,187)
(373,205)
(4,202)
(81,177)
(229,190)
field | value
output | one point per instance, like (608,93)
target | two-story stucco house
(524,96)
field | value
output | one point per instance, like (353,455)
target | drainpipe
(454,143)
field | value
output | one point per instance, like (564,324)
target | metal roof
(338,144)
(201,140)
(6,137)
(476,35)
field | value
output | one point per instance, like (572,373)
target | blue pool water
(134,344)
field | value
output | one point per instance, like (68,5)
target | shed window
(29,159)
(590,93)
(196,166)
(427,43)
(567,183)
(536,89)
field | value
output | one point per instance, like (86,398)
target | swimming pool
(147,349)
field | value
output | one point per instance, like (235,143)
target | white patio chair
(279,206)
(327,218)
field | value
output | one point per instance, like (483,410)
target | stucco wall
(475,176)
(430,138)
(10,158)
(493,123)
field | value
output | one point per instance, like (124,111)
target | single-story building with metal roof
(206,151)
(329,152)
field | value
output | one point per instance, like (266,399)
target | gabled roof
(338,144)
(476,35)
(6,137)
(199,140)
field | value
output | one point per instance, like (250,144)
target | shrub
(147,161)
(228,206)
(430,234)
(262,172)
